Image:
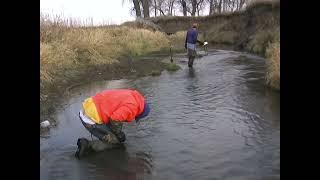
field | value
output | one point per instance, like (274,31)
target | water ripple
(205,123)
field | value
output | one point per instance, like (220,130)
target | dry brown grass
(273,65)
(177,40)
(259,41)
(63,46)
(144,24)
(67,47)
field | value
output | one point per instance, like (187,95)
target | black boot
(121,137)
(190,62)
(83,147)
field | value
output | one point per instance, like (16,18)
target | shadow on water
(112,164)
(119,164)
(191,73)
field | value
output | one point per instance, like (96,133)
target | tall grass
(64,44)
(177,40)
(259,41)
(68,46)
(273,65)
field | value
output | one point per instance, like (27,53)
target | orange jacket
(118,105)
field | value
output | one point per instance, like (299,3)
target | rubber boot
(83,148)
(190,62)
(98,146)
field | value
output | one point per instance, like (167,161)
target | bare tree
(211,4)
(224,5)
(171,3)
(145,5)
(161,12)
(210,7)
(241,3)
(200,5)
(194,7)
(168,6)
(233,5)
(154,6)
(136,5)
(219,6)
(184,7)
(161,7)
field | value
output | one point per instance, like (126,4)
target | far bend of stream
(216,121)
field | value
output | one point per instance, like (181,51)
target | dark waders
(191,57)
(109,136)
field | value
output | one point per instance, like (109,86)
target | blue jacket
(192,36)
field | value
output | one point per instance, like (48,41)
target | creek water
(215,121)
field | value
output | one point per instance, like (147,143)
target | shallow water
(217,121)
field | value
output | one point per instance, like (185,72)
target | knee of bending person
(89,127)
(110,138)
(115,126)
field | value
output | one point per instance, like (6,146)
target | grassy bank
(71,54)
(273,65)
(255,29)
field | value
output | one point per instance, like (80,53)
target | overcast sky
(110,11)
(101,11)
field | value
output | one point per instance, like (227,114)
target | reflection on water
(125,166)
(114,164)
(216,120)
(191,72)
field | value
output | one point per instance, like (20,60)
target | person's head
(144,113)
(194,25)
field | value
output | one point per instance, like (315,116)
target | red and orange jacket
(116,104)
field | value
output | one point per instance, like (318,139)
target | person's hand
(121,137)
(185,45)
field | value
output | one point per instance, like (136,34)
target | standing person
(190,43)
(103,116)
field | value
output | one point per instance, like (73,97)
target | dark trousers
(191,56)
(110,136)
